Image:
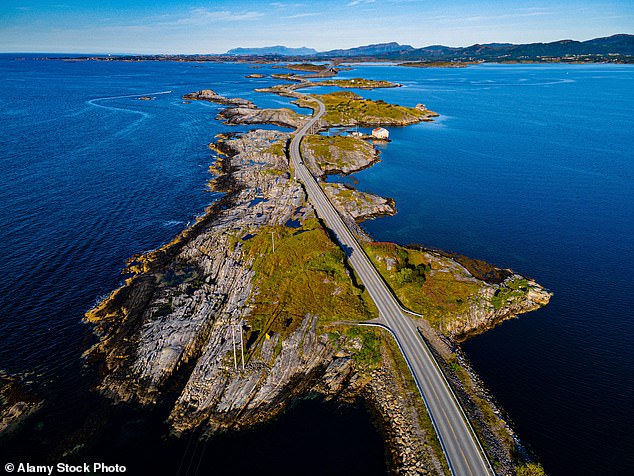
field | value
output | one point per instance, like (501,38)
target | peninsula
(258,302)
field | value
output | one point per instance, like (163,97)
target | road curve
(461,447)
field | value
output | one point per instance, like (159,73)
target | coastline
(335,370)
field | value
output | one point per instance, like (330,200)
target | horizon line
(298,47)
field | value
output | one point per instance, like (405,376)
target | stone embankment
(400,412)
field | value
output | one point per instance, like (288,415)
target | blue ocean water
(528,167)
(532,167)
(90,176)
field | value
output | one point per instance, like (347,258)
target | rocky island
(255,304)
(212,96)
(328,155)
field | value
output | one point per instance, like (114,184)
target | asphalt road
(462,450)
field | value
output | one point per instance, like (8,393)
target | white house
(380,133)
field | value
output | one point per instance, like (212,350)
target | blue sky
(163,26)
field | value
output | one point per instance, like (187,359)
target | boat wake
(144,115)
(95,102)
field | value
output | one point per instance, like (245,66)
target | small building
(380,133)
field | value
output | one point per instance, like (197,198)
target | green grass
(439,297)
(314,68)
(346,196)
(305,274)
(530,469)
(336,151)
(361,83)
(278,148)
(322,144)
(347,108)
(369,355)
(514,289)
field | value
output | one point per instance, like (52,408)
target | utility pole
(233,341)
(273,241)
(242,346)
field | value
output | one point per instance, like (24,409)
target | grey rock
(212,96)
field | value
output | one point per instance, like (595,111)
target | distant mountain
(619,48)
(271,51)
(622,45)
(368,50)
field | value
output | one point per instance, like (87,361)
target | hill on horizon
(272,50)
(616,45)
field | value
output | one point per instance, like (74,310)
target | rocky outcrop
(493,294)
(249,115)
(347,109)
(358,205)
(358,83)
(313,70)
(225,397)
(212,96)
(326,155)
(496,303)
(16,402)
(182,322)
(162,318)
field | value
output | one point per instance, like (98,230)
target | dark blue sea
(89,176)
(529,167)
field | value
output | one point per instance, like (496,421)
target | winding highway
(460,445)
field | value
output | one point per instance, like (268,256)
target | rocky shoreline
(17,403)
(338,155)
(212,96)
(170,334)
(359,206)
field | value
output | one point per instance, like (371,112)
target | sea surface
(531,167)
(91,175)
(528,166)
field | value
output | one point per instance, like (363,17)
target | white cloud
(354,3)
(201,16)
(506,16)
(303,15)
(287,5)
